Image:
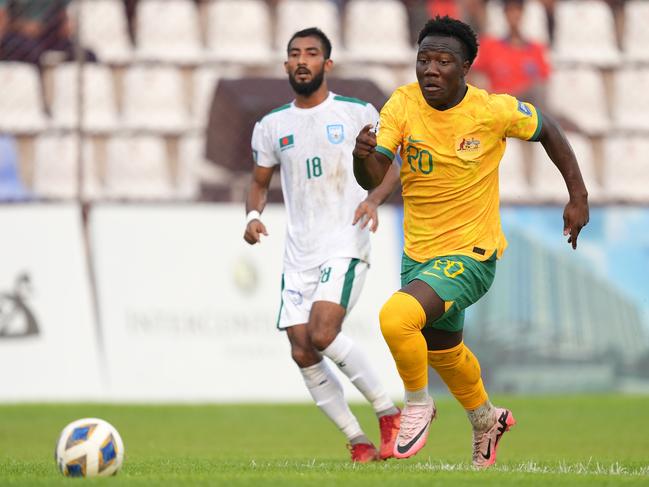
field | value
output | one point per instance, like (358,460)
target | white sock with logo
(352,362)
(327,392)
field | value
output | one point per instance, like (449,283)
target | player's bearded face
(306,81)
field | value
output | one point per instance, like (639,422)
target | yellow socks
(402,319)
(460,371)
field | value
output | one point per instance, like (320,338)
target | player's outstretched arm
(369,166)
(575,214)
(367,210)
(256,202)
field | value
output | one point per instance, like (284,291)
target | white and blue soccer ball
(89,447)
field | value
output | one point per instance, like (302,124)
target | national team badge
(524,109)
(336,133)
(286,142)
(469,145)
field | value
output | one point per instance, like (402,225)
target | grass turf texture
(559,441)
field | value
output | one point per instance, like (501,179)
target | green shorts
(457,279)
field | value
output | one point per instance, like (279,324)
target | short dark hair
(313,32)
(449,27)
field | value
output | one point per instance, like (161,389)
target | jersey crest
(336,133)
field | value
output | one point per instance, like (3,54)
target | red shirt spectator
(512,67)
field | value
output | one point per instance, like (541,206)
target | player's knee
(305,356)
(400,315)
(321,338)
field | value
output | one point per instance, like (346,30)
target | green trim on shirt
(350,99)
(535,136)
(386,152)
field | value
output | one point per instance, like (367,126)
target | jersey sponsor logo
(336,133)
(469,145)
(286,142)
(524,109)
(413,141)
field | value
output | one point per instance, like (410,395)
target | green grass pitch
(558,441)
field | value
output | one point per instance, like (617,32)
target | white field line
(589,468)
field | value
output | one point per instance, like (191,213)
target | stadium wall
(186,311)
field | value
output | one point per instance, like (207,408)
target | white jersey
(314,149)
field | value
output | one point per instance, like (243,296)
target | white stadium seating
(104,29)
(548,184)
(294,15)
(206,79)
(239,31)
(55,167)
(585,34)
(154,100)
(626,171)
(168,31)
(99,102)
(631,99)
(21,101)
(513,181)
(367,23)
(137,167)
(636,33)
(579,95)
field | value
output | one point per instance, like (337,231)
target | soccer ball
(89,447)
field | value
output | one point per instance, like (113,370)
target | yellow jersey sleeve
(520,119)
(391,125)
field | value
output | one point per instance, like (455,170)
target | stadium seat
(191,164)
(104,29)
(383,36)
(55,167)
(513,182)
(21,102)
(11,185)
(585,34)
(205,82)
(99,104)
(534,22)
(239,31)
(168,31)
(294,15)
(385,78)
(636,33)
(137,168)
(626,172)
(631,99)
(548,184)
(154,100)
(579,95)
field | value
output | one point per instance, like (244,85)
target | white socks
(352,362)
(418,397)
(327,392)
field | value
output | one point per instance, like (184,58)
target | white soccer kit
(313,147)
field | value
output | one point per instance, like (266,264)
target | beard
(309,87)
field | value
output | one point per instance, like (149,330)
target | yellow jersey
(449,174)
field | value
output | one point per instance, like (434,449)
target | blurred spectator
(474,13)
(30,28)
(419,11)
(513,64)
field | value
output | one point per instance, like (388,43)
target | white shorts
(338,280)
